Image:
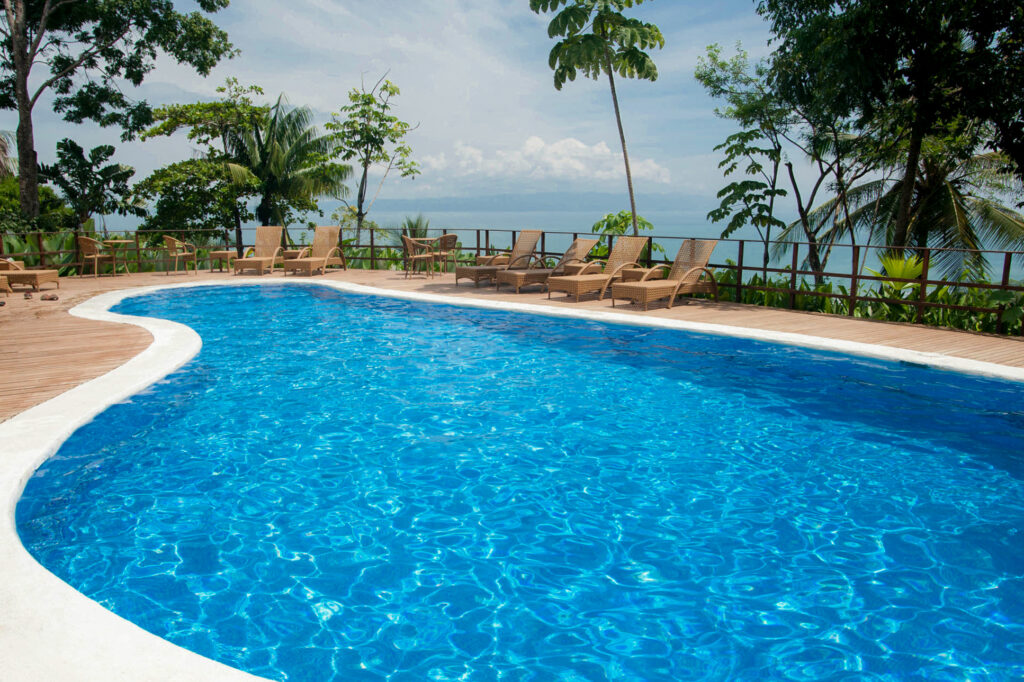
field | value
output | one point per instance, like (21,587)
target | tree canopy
(367,133)
(90,184)
(89,50)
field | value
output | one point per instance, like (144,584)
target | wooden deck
(44,351)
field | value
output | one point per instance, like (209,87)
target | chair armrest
(617,270)
(508,266)
(652,270)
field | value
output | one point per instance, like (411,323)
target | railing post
(373,252)
(487,242)
(739,272)
(923,294)
(792,277)
(853,281)
(543,250)
(42,254)
(477,230)
(1004,282)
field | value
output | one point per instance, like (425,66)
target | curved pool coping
(49,630)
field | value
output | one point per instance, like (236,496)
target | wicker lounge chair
(179,250)
(519,278)
(92,251)
(519,258)
(5,287)
(266,253)
(417,252)
(323,252)
(689,275)
(15,273)
(623,256)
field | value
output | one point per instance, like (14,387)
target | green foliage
(366,133)
(54,214)
(416,228)
(195,200)
(286,158)
(614,44)
(618,224)
(90,184)
(92,48)
(25,247)
(208,123)
(212,125)
(899,269)
(900,305)
(749,202)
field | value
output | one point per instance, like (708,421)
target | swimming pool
(362,487)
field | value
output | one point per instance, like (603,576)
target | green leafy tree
(598,39)
(774,129)
(91,49)
(54,214)
(757,148)
(289,162)
(619,224)
(919,64)
(956,207)
(212,125)
(194,196)
(90,184)
(367,134)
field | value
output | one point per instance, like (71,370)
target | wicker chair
(519,278)
(323,252)
(179,250)
(417,253)
(689,275)
(267,252)
(519,258)
(624,255)
(447,247)
(92,251)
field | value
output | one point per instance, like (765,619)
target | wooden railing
(739,263)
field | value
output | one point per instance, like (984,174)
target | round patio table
(115,246)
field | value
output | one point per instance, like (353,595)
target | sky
(475,82)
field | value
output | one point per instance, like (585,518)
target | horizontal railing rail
(789,276)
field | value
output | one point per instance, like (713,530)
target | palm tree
(955,207)
(615,44)
(289,160)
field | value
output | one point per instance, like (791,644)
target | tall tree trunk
(239,247)
(28,167)
(813,254)
(622,138)
(361,198)
(900,234)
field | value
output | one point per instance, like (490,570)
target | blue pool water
(358,488)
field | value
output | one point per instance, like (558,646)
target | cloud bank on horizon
(474,77)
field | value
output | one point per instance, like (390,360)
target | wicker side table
(222,257)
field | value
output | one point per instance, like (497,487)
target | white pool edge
(50,631)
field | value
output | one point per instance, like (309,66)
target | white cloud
(567,159)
